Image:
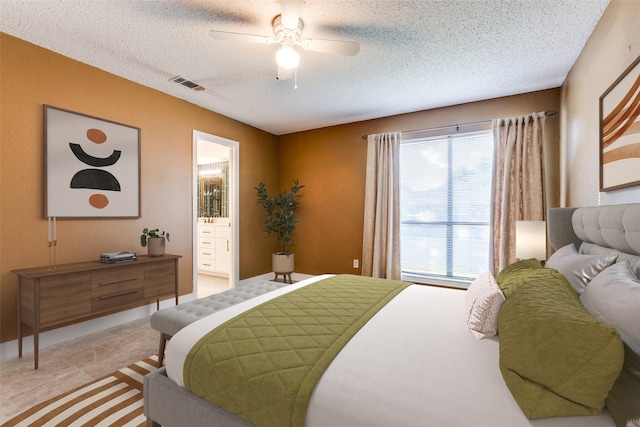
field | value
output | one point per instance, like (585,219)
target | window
(445,205)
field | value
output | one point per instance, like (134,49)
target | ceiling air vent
(187,83)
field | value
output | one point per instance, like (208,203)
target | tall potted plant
(280,223)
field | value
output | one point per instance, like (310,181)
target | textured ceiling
(414,54)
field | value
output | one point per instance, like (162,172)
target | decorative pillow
(613,297)
(555,358)
(578,269)
(482,304)
(517,274)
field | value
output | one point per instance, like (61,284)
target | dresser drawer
(117,286)
(206,231)
(206,264)
(117,299)
(111,280)
(207,253)
(208,242)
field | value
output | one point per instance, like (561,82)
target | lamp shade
(531,240)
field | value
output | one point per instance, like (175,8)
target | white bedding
(414,363)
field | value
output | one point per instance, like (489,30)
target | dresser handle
(119,294)
(120,280)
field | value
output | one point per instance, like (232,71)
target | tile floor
(209,285)
(70,364)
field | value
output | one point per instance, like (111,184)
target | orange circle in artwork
(96,135)
(98,201)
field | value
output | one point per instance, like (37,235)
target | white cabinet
(214,248)
(223,249)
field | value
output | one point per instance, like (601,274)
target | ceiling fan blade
(284,74)
(290,13)
(338,47)
(240,37)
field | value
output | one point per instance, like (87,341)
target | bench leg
(163,344)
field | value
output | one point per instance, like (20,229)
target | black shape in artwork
(94,161)
(96,179)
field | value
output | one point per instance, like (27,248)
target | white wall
(611,49)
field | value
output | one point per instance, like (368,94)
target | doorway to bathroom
(215,207)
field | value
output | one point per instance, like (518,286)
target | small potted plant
(155,239)
(280,223)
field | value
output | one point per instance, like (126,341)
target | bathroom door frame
(234,203)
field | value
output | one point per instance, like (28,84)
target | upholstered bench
(169,321)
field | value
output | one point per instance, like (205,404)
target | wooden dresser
(78,291)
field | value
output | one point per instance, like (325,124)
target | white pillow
(613,297)
(482,304)
(578,269)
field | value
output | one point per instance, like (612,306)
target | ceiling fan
(287,30)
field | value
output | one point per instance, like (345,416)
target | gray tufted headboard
(598,230)
(601,230)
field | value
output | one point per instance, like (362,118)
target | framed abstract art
(620,131)
(92,166)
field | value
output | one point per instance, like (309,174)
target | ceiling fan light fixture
(287,29)
(287,57)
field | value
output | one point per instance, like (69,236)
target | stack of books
(114,257)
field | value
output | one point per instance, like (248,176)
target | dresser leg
(19,339)
(36,345)
(19,317)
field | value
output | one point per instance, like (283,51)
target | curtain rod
(546,113)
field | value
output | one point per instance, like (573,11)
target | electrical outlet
(355,263)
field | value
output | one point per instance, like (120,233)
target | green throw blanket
(264,364)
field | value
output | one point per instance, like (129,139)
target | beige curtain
(381,240)
(518,181)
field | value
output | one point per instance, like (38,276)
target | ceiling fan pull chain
(295,78)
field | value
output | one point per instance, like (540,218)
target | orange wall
(32,76)
(331,162)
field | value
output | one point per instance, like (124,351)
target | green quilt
(264,364)
(555,357)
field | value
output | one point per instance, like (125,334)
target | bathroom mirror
(213,190)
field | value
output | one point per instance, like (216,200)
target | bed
(416,361)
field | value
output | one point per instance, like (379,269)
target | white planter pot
(282,263)
(156,246)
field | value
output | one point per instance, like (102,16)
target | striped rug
(115,400)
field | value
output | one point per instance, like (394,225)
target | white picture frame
(92,166)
